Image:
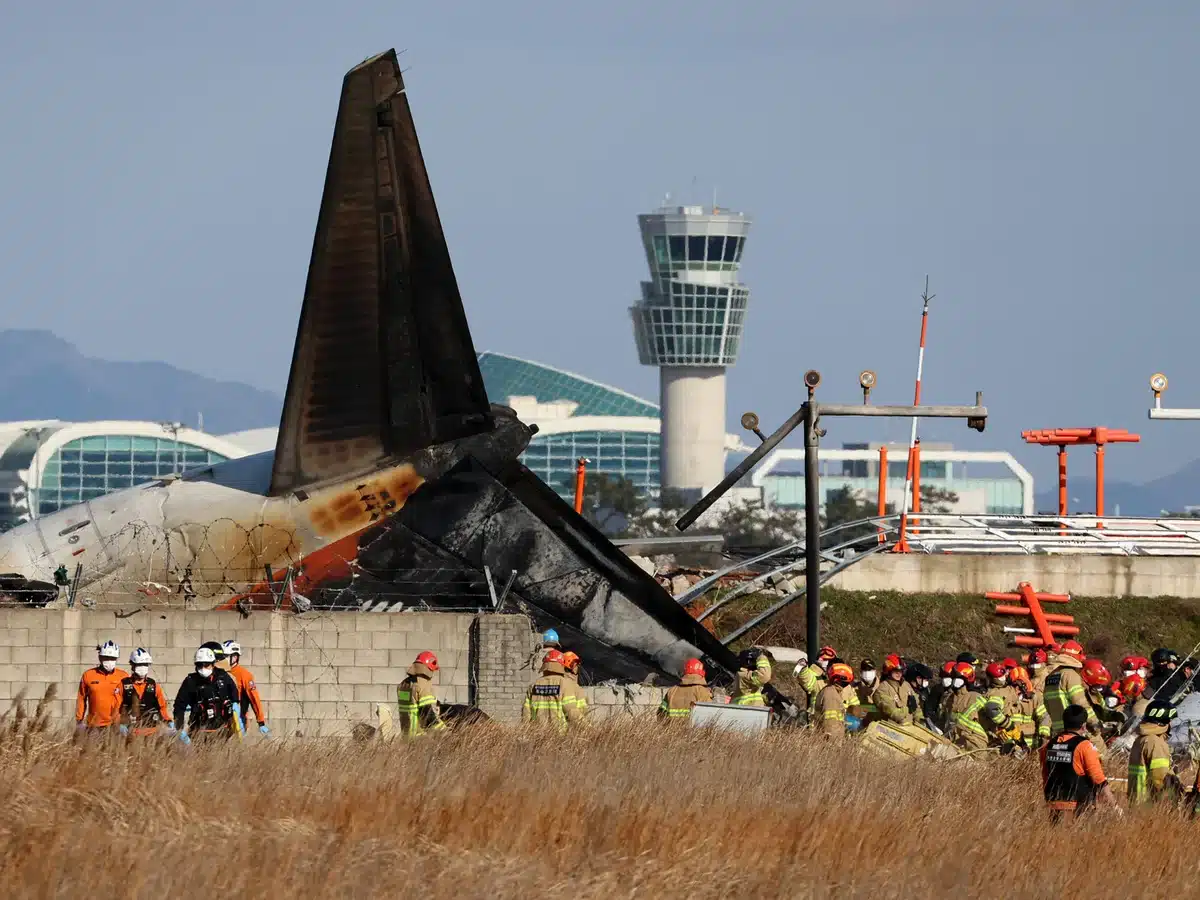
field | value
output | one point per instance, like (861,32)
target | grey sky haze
(162,165)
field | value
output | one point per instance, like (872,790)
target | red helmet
(1010,663)
(827,653)
(1143,663)
(1038,658)
(840,673)
(1019,676)
(965,671)
(1129,664)
(553,656)
(1095,674)
(948,667)
(1073,648)
(1132,687)
(570,660)
(693,667)
(892,663)
(428,660)
(997,671)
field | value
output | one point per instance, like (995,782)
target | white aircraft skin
(209,532)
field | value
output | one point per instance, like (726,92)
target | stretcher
(906,741)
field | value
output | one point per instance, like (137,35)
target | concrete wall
(1087,576)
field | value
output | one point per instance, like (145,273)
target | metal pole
(812,529)
(1099,484)
(1062,480)
(883,474)
(580,475)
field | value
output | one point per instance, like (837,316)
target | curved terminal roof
(509,376)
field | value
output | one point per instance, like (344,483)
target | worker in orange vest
(248,697)
(99,702)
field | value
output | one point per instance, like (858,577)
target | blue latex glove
(183,736)
(853,723)
(263,729)
(170,726)
(124,729)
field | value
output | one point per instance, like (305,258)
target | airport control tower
(689,324)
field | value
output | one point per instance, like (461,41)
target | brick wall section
(628,700)
(503,660)
(318,673)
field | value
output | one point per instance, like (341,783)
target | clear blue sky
(162,166)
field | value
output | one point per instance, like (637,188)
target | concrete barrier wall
(1086,576)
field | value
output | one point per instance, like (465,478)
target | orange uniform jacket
(139,688)
(248,693)
(99,697)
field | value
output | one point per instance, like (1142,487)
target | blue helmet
(550,637)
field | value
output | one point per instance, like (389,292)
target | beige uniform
(678,701)
(892,702)
(1150,774)
(554,700)
(829,712)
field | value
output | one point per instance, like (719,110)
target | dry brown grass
(619,811)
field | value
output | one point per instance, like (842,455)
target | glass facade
(507,376)
(629,454)
(91,467)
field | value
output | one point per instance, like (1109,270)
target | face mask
(108,665)
(1145,673)
(1110,702)
(1127,673)
(924,685)
(205,671)
(958,682)
(1036,667)
(868,677)
(141,671)
(823,664)
(946,682)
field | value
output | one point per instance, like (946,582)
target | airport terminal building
(46,465)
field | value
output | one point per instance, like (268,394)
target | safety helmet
(916,671)
(1038,657)
(1162,656)
(428,660)
(1095,674)
(1159,712)
(892,663)
(965,671)
(1074,649)
(748,658)
(570,660)
(232,648)
(1144,663)
(1132,687)
(948,667)
(1128,664)
(216,647)
(140,657)
(552,656)
(1019,676)
(997,671)
(204,656)
(827,653)
(840,673)
(968,657)
(109,650)
(868,665)
(693,667)
(550,636)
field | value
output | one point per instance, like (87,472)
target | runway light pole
(809,416)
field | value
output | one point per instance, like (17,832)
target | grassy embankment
(624,810)
(936,627)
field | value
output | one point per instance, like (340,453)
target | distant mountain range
(44,377)
(1170,492)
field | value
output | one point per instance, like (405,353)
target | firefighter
(550,640)
(1151,776)
(1073,779)
(99,702)
(553,699)
(1132,689)
(962,712)
(895,698)
(754,672)
(208,696)
(678,701)
(1029,710)
(419,710)
(829,711)
(1095,676)
(1064,687)
(143,703)
(248,697)
(934,713)
(812,678)
(571,666)
(861,696)
(1037,662)
(1164,662)
(998,702)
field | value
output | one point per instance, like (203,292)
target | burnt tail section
(383,364)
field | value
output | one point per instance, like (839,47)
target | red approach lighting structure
(1047,626)
(580,477)
(1064,437)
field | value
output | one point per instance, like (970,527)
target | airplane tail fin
(383,363)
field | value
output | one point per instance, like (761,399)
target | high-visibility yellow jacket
(1065,687)
(678,701)
(812,679)
(963,719)
(553,700)
(1029,714)
(891,699)
(829,712)
(419,710)
(750,684)
(1150,775)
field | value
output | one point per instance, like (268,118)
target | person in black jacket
(208,698)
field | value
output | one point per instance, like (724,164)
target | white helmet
(232,648)
(140,657)
(109,650)
(205,656)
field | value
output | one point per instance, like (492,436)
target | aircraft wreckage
(393,477)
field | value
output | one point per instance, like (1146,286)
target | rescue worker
(550,640)
(1095,676)
(829,711)
(962,713)
(1038,671)
(248,696)
(1065,687)
(861,700)
(553,699)
(143,703)
(1132,689)
(419,710)
(999,702)
(1164,662)
(812,678)
(208,696)
(934,713)
(571,665)
(1150,774)
(99,701)
(1029,710)
(1128,666)
(1073,779)
(895,698)
(678,701)
(754,673)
